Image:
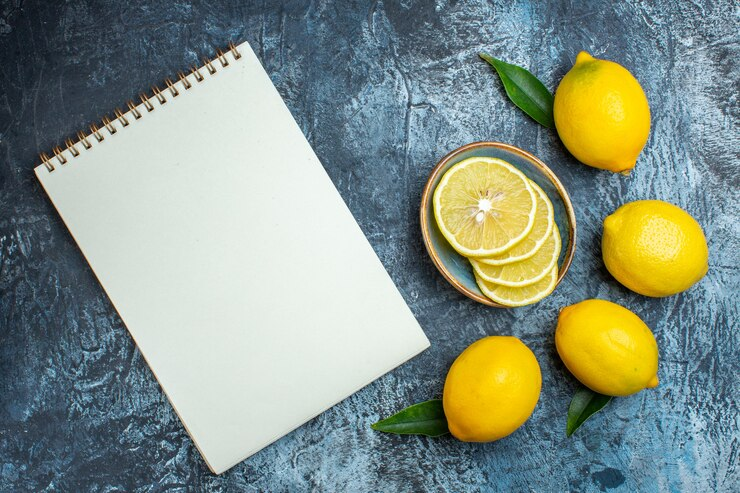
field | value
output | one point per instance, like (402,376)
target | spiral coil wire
(134,110)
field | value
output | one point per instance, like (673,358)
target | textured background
(382,90)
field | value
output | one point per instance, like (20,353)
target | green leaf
(425,418)
(585,403)
(525,90)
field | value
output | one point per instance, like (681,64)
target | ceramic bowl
(456,268)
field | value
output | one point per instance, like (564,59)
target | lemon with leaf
(491,390)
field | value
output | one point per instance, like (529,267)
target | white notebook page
(233,261)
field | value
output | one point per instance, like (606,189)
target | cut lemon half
(484,206)
(544,219)
(525,295)
(527,271)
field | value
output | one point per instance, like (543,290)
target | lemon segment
(525,295)
(607,348)
(544,219)
(484,206)
(526,272)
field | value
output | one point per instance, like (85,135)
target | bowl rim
(542,167)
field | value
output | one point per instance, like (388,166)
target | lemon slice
(527,271)
(544,218)
(484,206)
(526,295)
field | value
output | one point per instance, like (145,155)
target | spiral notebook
(230,256)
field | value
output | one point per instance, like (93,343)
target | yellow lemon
(654,248)
(491,389)
(601,114)
(607,347)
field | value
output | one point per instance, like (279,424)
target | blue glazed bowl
(456,268)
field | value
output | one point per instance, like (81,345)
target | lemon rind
(516,303)
(526,282)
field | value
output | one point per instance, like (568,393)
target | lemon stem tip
(583,57)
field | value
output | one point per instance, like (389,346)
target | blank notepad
(231,258)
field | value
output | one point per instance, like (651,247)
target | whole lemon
(654,248)
(607,347)
(601,114)
(491,389)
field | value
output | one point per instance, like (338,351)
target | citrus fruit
(601,114)
(491,389)
(607,347)
(519,296)
(524,272)
(544,219)
(484,206)
(654,248)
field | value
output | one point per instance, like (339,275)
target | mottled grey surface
(382,90)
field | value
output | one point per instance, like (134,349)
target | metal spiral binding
(135,111)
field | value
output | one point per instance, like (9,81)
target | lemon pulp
(484,206)
(544,220)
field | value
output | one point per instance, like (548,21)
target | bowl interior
(454,266)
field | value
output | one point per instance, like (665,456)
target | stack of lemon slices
(503,222)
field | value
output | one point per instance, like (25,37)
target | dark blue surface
(382,90)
